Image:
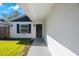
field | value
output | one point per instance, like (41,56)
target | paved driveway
(39,48)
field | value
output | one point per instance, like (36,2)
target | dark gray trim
(22,19)
(17,28)
(29,28)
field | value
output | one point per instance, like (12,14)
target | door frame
(41,30)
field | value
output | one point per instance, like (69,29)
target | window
(24,28)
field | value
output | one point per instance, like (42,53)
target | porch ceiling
(36,11)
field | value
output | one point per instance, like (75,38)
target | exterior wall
(62,30)
(14,34)
(40,22)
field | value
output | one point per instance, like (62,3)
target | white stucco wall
(40,22)
(62,30)
(14,34)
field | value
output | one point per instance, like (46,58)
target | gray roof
(1,20)
(22,19)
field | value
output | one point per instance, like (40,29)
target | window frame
(20,28)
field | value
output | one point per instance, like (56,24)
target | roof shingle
(22,19)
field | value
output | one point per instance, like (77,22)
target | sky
(9,8)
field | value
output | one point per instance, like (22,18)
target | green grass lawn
(14,47)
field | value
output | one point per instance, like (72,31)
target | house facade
(23,27)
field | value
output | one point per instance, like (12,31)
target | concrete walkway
(39,48)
